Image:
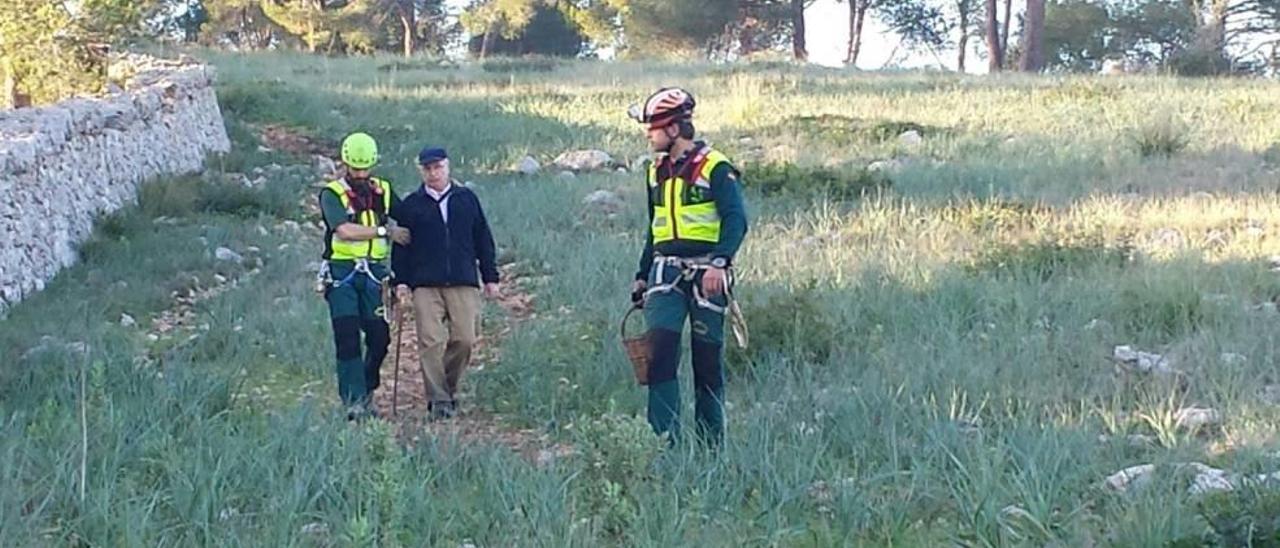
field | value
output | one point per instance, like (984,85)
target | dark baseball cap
(431,155)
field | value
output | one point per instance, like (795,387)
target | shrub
(1164,137)
(790,179)
(1050,257)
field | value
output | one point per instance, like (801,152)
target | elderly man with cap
(450,260)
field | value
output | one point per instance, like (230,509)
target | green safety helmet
(359,151)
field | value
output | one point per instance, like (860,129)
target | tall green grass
(928,361)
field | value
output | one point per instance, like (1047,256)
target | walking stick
(395,383)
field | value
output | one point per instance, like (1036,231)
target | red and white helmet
(665,107)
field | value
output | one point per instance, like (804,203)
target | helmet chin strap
(671,141)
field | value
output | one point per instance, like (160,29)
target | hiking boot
(441,410)
(362,412)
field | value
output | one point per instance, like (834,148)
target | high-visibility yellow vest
(376,249)
(685,209)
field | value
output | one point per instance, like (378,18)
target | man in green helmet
(357,249)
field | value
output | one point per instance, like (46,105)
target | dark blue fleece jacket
(460,252)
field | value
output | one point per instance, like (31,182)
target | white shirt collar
(437,194)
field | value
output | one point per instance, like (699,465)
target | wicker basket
(638,349)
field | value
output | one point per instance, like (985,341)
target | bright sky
(827,36)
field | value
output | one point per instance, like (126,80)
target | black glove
(637,298)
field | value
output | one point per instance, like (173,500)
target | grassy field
(931,344)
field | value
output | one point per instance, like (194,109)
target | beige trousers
(448,319)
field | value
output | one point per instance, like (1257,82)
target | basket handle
(622,328)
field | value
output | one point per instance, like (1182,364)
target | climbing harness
(325,281)
(689,268)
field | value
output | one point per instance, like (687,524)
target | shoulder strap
(384,189)
(698,160)
(713,160)
(340,188)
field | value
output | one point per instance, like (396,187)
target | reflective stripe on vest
(377,249)
(674,219)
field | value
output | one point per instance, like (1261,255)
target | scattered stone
(291,225)
(820,492)
(1194,418)
(263,148)
(224,254)
(1113,67)
(911,138)
(324,165)
(1231,358)
(528,166)
(1138,441)
(1169,237)
(1096,324)
(1144,362)
(48,343)
(1130,477)
(228,513)
(127,320)
(1217,298)
(891,164)
(604,200)
(584,160)
(548,457)
(1271,394)
(567,175)
(1209,480)
(315,528)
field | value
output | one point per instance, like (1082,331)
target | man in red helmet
(697,222)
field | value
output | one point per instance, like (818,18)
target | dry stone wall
(64,165)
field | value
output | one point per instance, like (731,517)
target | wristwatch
(720,262)
(382,232)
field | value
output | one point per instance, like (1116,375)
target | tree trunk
(1033,38)
(1212,34)
(962,9)
(995,55)
(487,42)
(407,20)
(747,37)
(9,97)
(1004,33)
(797,33)
(857,16)
(849,58)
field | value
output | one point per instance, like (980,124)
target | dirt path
(474,425)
